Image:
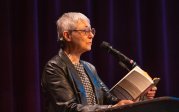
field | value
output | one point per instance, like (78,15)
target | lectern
(160,104)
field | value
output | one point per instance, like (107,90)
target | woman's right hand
(123,102)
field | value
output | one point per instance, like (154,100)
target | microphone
(123,60)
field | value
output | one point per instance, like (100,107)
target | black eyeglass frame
(86,31)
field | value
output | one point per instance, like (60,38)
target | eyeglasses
(86,31)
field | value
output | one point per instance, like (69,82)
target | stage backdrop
(146,31)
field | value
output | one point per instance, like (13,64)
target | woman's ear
(66,36)
(59,38)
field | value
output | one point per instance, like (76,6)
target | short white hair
(68,22)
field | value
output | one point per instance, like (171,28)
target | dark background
(146,31)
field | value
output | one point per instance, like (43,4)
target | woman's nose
(91,35)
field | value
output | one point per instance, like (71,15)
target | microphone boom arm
(124,61)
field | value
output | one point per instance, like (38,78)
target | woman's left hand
(151,93)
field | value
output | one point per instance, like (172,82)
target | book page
(133,84)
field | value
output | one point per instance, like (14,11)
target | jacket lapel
(78,86)
(94,81)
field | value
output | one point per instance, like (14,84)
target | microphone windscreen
(105,45)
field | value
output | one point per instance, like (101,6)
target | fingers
(126,102)
(151,93)
(123,102)
(154,88)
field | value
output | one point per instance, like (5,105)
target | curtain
(146,31)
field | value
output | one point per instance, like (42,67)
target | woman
(69,83)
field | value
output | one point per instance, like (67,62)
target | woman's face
(81,37)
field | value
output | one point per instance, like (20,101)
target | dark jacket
(64,91)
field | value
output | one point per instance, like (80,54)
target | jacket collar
(78,86)
(80,91)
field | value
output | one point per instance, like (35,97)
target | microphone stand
(128,66)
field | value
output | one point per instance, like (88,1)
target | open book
(133,85)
